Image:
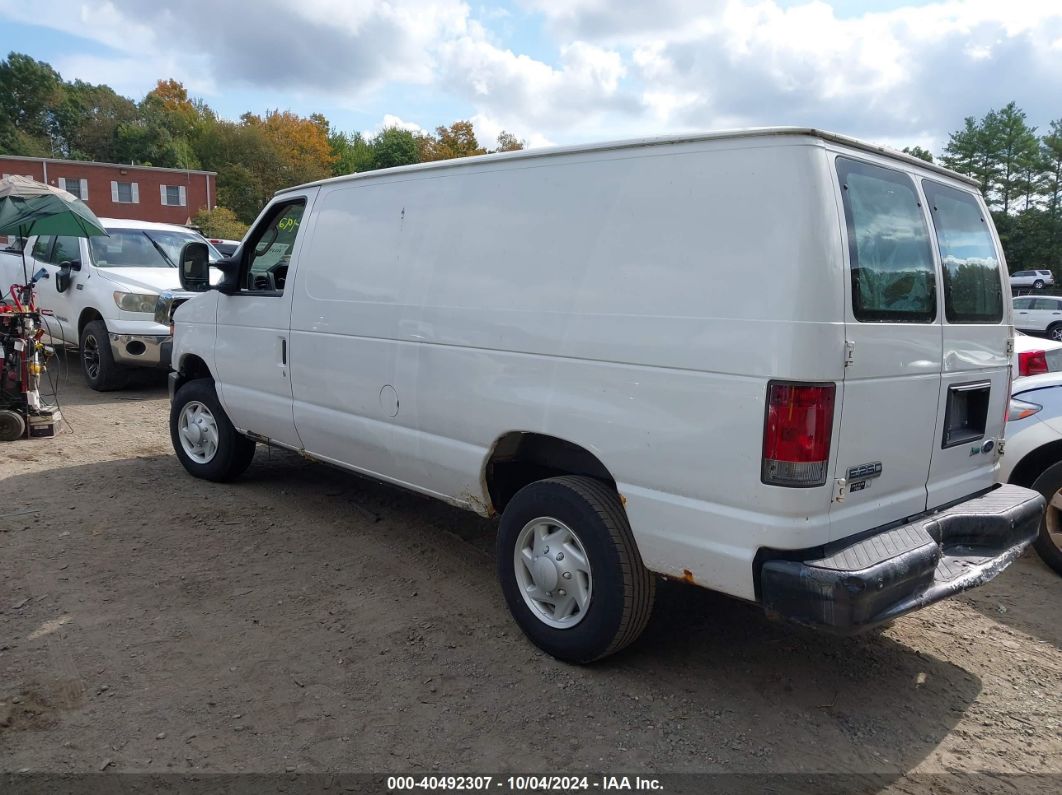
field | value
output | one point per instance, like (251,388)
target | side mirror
(194,266)
(62,278)
(230,269)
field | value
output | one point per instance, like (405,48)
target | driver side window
(269,251)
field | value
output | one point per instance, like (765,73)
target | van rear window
(973,288)
(893,276)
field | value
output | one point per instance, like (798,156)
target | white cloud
(391,122)
(621,67)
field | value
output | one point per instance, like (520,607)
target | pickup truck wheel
(204,439)
(1048,543)
(570,570)
(97,360)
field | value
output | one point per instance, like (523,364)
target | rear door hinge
(849,352)
(1010,346)
(840,488)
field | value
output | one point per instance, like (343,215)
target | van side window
(893,276)
(973,287)
(269,249)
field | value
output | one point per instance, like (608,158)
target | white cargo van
(573,339)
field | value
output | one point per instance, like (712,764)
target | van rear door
(974,392)
(894,345)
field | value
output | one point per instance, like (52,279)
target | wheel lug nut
(546,550)
(562,592)
(567,575)
(560,556)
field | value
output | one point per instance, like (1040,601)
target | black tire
(234,451)
(622,591)
(1054,332)
(1038,284)
(12,426)
(1048,484)
(97,360)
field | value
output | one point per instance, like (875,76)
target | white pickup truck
(101,293)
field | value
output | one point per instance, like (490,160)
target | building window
(78,187)
(173,195)
(125,193)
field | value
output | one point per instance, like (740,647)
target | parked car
(1034,455)
(1040,314)
(1035,355)
(226,247)
(566,338)
(102,293)
(1037,279)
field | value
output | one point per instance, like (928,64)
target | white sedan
(1033,454)
(1041,314)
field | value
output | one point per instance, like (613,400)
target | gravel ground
(303,619)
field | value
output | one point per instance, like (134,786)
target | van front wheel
(570,571)
(204,439)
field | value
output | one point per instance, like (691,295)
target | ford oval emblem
(988,446)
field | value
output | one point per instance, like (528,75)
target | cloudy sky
(564,71)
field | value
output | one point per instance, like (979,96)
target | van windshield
(144,248)
(973,289)
(893,275)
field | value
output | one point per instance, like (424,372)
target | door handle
(283,350)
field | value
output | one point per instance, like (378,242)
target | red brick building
(111,190)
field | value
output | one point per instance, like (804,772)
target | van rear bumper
(858,583)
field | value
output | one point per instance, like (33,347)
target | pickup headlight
(135,302)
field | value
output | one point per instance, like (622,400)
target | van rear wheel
(206,443)
(570,570)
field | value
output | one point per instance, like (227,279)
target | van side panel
(635,303)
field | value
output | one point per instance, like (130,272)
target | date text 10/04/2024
(524,783)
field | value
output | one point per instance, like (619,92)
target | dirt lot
(304,619)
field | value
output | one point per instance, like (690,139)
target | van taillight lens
(1032,363)
(796,433)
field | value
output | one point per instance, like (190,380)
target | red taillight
(1032,363)
(796,433)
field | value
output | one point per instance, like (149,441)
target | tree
(219,222)
(30,90)
(507,142)
(914,151)
(87,121)
(352,153)
(1017,150)
(457,140)
(972,151)
(301,145)
(394,147)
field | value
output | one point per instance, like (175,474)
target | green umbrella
(29,208)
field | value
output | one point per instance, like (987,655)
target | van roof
(632,143)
